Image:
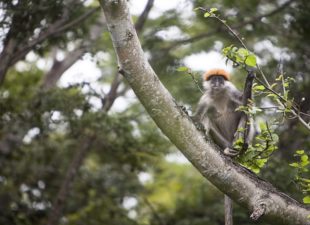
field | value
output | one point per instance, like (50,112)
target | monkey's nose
(217,84)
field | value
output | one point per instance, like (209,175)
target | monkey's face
(216,83)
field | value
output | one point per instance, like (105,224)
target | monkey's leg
(220,140)
(231,152)
(228,210)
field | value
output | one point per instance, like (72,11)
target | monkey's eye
(217,80)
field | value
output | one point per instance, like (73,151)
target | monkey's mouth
(217,88)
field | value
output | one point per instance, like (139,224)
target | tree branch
(59,67)
(65,187)
(238,183)
(77,21)
(10,45)
(13,139)
(109,99)
(144,15)
(113,94)
(54,29)
(14,51)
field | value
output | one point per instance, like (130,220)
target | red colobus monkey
(216,111)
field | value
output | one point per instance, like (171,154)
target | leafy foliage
(302,176)
(260,151)
(240,56)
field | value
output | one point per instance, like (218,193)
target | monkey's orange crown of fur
(218,72)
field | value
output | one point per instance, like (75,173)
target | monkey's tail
(228,210)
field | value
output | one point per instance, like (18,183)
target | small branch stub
(120,70)
(258,211)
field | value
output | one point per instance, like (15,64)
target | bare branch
(6,56)
(109,99)
(59,67)
(54,29)
(69,178)
(144,15)
(77,21)
(14,51)
(238,183)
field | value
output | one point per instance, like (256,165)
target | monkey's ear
(218,72)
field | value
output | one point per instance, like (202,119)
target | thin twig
(195,81)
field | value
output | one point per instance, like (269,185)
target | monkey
(217,112)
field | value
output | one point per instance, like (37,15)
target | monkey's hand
(231,152)
(183,109)
(200,127)
(198,124)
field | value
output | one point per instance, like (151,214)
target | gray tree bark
(241,185)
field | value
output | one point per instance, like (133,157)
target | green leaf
(300,152)
(272,95)
(251,60)
(213,10)
(279,77)
(243,52)
(261,162)
(296,165)
(304,164)
(259,88)
(226,50)
(182,69)
(275,137)
(207,14)
(304,158)
(306,199)
(273,85)
(254,110)
(262,126)
(305,180)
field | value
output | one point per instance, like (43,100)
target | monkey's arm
(201,110)
(221,141)
(245,126)
(247,92)
(200,113)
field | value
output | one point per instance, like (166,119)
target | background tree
(65,158)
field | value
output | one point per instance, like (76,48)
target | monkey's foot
(183,109)
(200,127)
(231,152)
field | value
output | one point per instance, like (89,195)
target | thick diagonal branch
(238,183)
